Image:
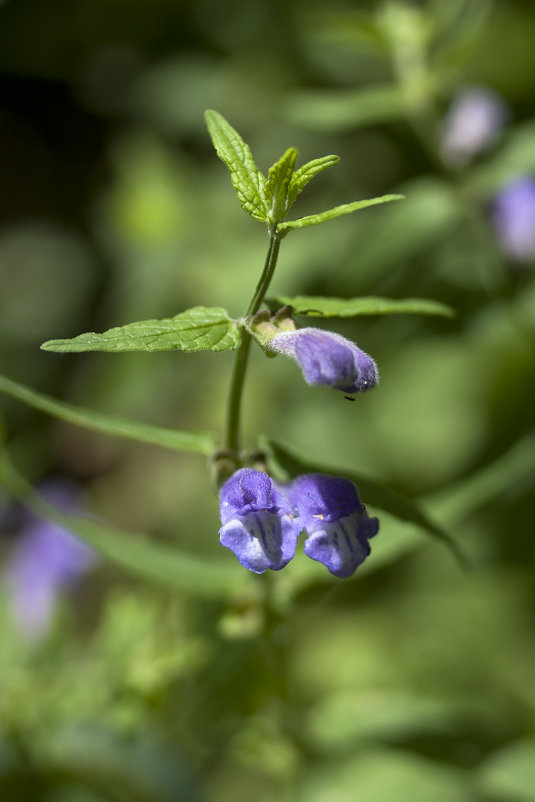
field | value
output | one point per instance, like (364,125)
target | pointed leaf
(337,110)
(319,306)
(197,329)
(168,565)
(338,211)
(279,178)
(509,772)
(371,492)
(199,442)
(306,173)
(246,178)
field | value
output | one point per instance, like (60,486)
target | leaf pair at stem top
(269,200)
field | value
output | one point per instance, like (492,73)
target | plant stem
(240,365)
(267,273)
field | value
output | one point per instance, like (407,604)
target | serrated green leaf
(137,553)
(198,442)
(279,178)
(371,492)
(200,328)
(338,211)
(246,178)
(306,173)
(319,306)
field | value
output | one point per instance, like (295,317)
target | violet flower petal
(514,219)
(45,560)
(473,124)
(342,545)
(328,358)
(261,540)
(335,521)
(258,524)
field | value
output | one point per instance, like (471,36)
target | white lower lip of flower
(257,540)
(336,544)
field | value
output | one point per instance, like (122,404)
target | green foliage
(371,492)
(338,211)
(200,328)
(271,200)
(246,178)
(413,682)
(382,775)
(514,159)
(277,187)
(318,306)
(306,173)
(346,109)
(199,442)
(509,773)
(153,561)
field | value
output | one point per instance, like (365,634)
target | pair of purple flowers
(262,520)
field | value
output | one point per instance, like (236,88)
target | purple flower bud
(328,358)
(514,218)
(45,560)
(258,524)
(472,125)
(336,523)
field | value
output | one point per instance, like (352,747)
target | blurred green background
(412,681)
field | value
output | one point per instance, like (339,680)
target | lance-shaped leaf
(306,173)
(198,442)
(371,492)
(200,328)
(339,110)
(279,178)
(247,179)
(167,565)
(338,211)
(319,306)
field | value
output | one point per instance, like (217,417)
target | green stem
(267,273)
(242,355)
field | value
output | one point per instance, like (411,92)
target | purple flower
(472,125)
(336,523)
(257,522)
(45,560)
(514,218)
(327,358)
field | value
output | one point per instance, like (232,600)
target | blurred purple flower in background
(327,358)
(45,561)
(513,214)
(258,525)
(336,523)
(473,124)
